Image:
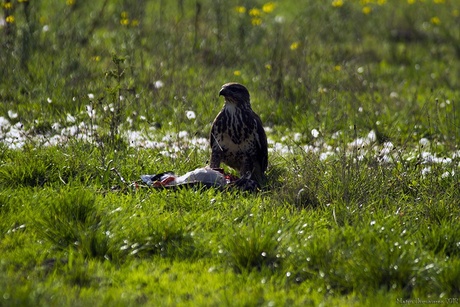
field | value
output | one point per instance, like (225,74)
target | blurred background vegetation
(388,65)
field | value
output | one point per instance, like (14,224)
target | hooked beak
(223,92)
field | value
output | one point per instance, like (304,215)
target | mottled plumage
(237,136)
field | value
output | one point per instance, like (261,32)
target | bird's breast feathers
(235,125)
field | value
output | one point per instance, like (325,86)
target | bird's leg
(246,181)
(246,169)
(216,157)
(258,175)
(252,171)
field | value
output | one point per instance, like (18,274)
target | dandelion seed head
(12,114)
(183,134)
(70,118)
(159,84)
(279,19)
(394,95)
(297,137)
(424,142)
(426,170)
(315,133)
(56,126)
(190,114)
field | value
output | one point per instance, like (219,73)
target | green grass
(362,211)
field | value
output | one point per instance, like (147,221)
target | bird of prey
(237,136)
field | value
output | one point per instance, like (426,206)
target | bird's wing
(262,150)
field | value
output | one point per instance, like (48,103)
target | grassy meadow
(360,101)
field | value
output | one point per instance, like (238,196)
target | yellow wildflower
(9,19)
(294,45)
(381,2)
(256,21)
(268,7)
(337,68)
(366,10)
(134,22)
(411,1)
(439,1)
(435,20)
(240,9)
(96,58)
(337,3)
(70,2)
(254,12)
(237,73)
(7,5)
(268,66)
(124,18)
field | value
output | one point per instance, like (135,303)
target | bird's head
(236,94)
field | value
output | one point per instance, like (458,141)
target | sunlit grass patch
(252,247)
(71,220)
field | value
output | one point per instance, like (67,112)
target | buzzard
(237,136)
